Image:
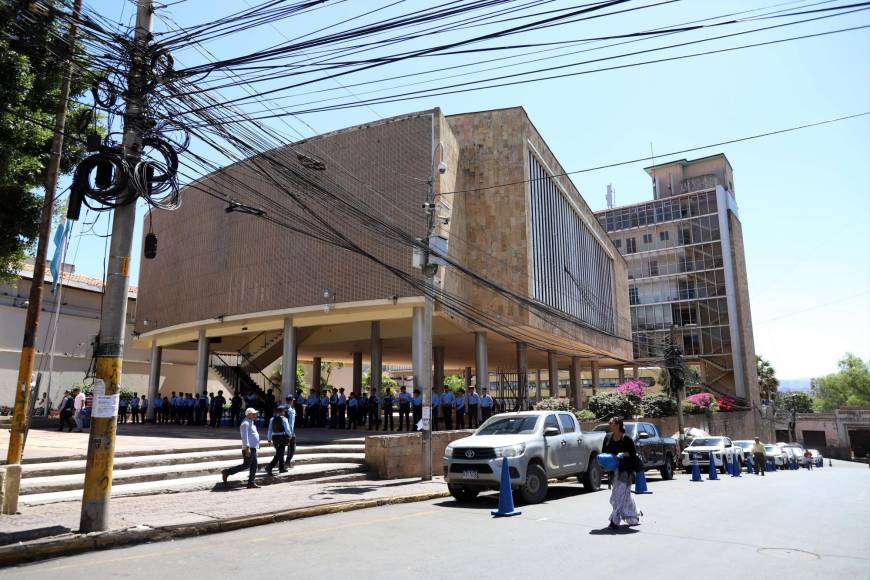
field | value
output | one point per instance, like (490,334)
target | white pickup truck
(539,445)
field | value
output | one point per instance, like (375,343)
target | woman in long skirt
(622,446)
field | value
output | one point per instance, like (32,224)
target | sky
(804,196)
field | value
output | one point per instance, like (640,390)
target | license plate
(696,456)
(469,474)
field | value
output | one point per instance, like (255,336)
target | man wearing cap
(278,435)
(459,406)
(417,408)
(472,400)
(436,410)
(404,409)
(447,407)
(299,408)
(759,457)
(250,446)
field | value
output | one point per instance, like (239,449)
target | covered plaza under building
(248,294)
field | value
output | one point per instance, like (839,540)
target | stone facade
(399,456)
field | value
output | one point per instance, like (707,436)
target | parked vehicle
(744,447)
(790,454)
(817,457)
(795,450)
(706,449)
(775,454)
(657,452)
(539,445)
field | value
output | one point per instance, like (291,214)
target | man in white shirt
(78,409)
(250,446)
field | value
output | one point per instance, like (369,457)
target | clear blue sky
(804,197)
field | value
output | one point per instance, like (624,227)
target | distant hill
(794,385)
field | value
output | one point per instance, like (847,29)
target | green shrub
(555,404)
(607,405)
(585,415)
(658,405)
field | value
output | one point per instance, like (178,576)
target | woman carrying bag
(621,446)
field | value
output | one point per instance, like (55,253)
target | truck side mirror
(551,431)
(643,435)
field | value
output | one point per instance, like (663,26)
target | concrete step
(203,482)
(163,473)
(53,468)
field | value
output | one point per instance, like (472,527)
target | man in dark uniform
(299,407)
(374,416)
(342,409)
(388,410)
(217,409)
(486,404)
(459,405)
(417,407)
(404,409)
(447,407)
(473,400)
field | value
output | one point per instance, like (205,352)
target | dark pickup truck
(656,451)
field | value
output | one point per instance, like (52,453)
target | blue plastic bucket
(607,461)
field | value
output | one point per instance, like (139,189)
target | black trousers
(134,414)
(66,420)
(248,462)
(122,416)
(485,413)
(342,414)
(280,443)
(417,412)
(291,450)
(404,418)
(352,417)
(388,418)
(472,416)
(312,415)
(448,417)
(460,418)
(374,419)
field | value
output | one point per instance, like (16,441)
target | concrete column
(621,371)
(537,397)
(481,361)
(595,377)
(315,373)
(575,390)
(553,369)
(635,372)
(417,325)
(438,356)
(289,360)
(377,357)
(467,377)
(154,379)
(357,373)
(201,379)
(523,373)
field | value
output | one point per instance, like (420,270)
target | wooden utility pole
(113,318)
(34,306)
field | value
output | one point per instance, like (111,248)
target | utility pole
(34,306)
(101,445)
(676,378)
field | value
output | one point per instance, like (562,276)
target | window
(814,438)
(551,422)
(653,267)
(663,236)
(685,236)
(647,238)
(568,425)
(632,296)
(652,430)
(630,246)
(617,243)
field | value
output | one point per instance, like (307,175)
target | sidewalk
(221,502)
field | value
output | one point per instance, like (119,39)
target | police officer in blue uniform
(312,415)
(486,403)
(447,399)
(417,407)
(387,403)
(473,400)
(459,406)
(436,411)
(299,408)
(352,411)
(374,416)
(342,409)
(404,409)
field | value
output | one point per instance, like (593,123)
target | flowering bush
(725,403)
(657,405)
(702,400)
(585,415)
(554,404)
(635,388)
(607,405)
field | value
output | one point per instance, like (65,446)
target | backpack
(277,426)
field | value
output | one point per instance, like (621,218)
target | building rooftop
(70,279)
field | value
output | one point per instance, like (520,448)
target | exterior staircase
(151,472)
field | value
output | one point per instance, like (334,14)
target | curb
(76,544)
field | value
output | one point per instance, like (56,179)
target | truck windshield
(510,426)
(707,442)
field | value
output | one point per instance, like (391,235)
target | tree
(300,376)
(455,382)
(387,382)
(326,369)
(767,381)
(32,57)
(794,401)
(849,386)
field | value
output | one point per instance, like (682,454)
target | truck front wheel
(667,469)
(461,493)
(534,490)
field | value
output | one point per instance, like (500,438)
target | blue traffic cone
(711,472)
(770,466)
(736,470)
(822,462)
(640,482)
(830,462)
(749,466)
(696,471)
(505,495)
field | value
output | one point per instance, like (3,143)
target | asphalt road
(795,524)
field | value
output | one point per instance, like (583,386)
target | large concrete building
(233,285)
(687,273)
